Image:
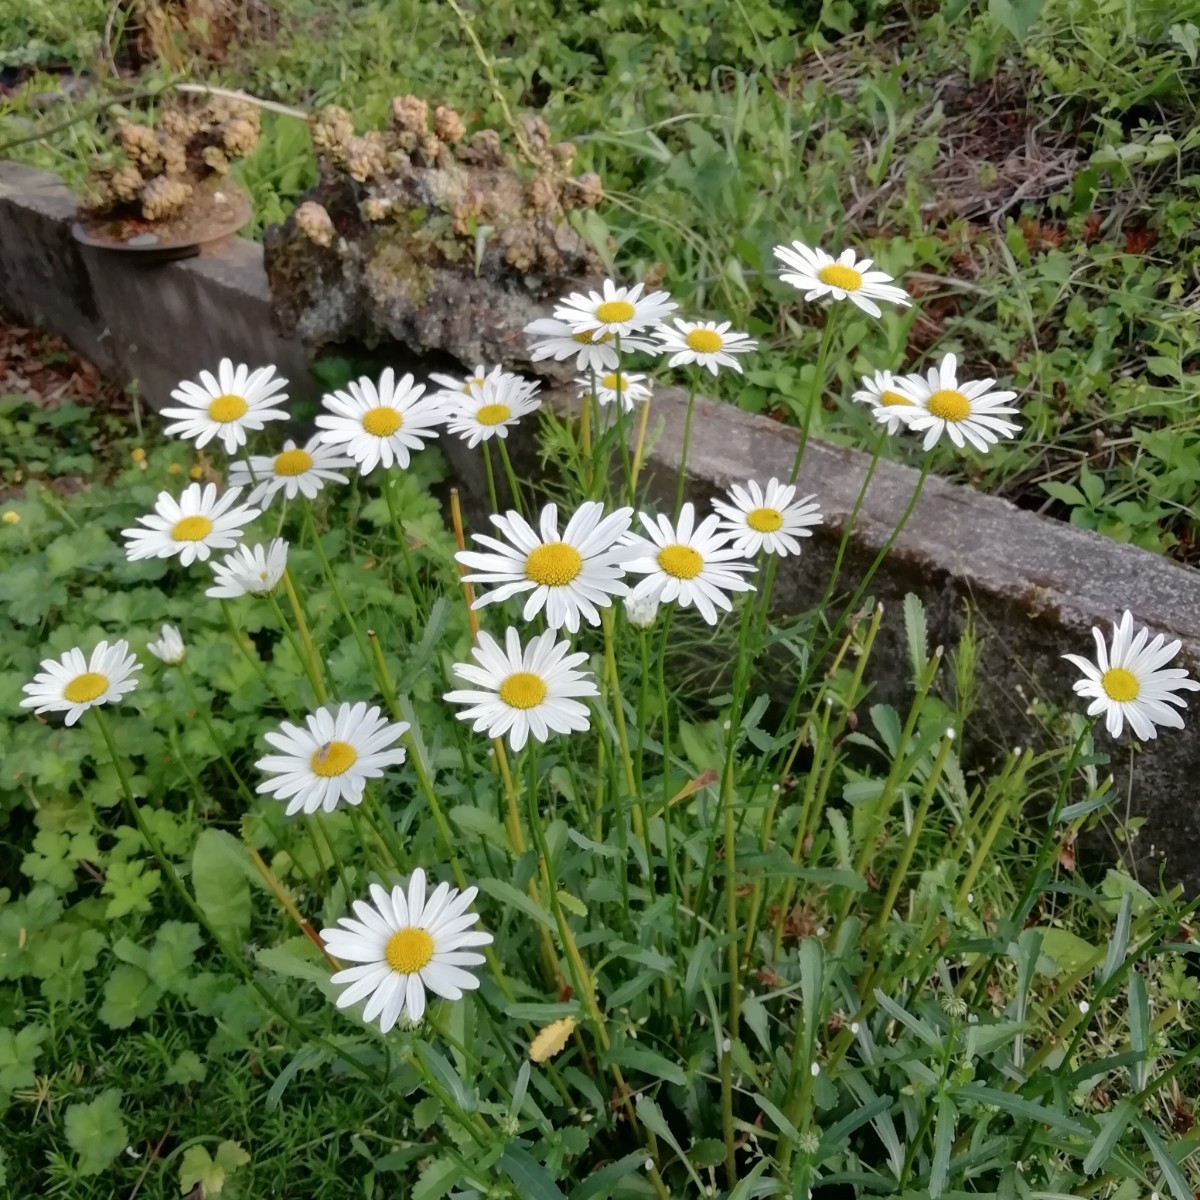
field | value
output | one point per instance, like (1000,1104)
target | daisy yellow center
(1120,685)
(681,561)
(613,312)
(471,384)
(591,337)
(293,462)
(553,565)
(764,520)
(493,414)
(86,687)
(191,529)
(612,381)
(382,422)
(333,758)
(705,341)
(895,400)
(950,405)
(227,408)
(523,690)
(846,278)
(408,950)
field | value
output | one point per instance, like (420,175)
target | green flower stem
(286,628)
(237,960)
(608,621)
(639,446)
(493,498)
(1012,793)
(681,483)
(202,711)
(414,581)
(310,522)
(513,485)
(252,659)
(643,699)
(817,390)
(673,881)
(314,821)
(310,651)
(900,870)
(585,436)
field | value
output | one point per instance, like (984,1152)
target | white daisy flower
(379,423)
(1131,681)
(593,350)
(293,471)
(632,389)
(330,758)
(692,564)
(489,412)
(452,386)
(968,412)
(193,526)
(73,684)
(227,406)
(818,274)
(705,343)
(524,691)
(169,648)
(567,576)
(615,310)
(642,612)
(769,518)
(249,571)
(404,944)
(881,392)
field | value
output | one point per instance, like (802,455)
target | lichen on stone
(447,239)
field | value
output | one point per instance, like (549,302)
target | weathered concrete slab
(1036,585)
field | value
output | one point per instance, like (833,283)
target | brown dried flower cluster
(157,169)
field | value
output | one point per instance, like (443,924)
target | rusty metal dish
(216,211)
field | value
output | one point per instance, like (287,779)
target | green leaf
(297,959)
(476,822)
(507,894)
(528,1176)
(187,1068)
(601,1183)
(1112,1125)
(1139,1030)
(1068,950)
(754,1013)
(1018,1106)
(1176,1180)
(96,1132)
(220,883)
(437,1179)
(1017,16)
(651,1117)
(18,1053)
(916,635)
(638,1058)
(925,1032)
(129,995)
(173,952)
(572,904)
(943,1140)
(785,1126)
(198,1167)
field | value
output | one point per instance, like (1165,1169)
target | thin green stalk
(244,650)
(673,881)
(683,450)
(414,581)
(513,485)
(585,435)
(335,587)
(310,651)
(817,390)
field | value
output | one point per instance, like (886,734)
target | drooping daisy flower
(567,575)
(73,684)
(1132,682)
(522,692)
(379,423)
(227,406)
(769,519)
(292,471)
(881,392)
(615,310)
(593,350)
(330,758)
(632,389)
(452,386)
(705,343)
(693,564)
(968,412)
(403,944)
(249,571)
(193,526)
(169,648)
(489,412)
(818,274)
